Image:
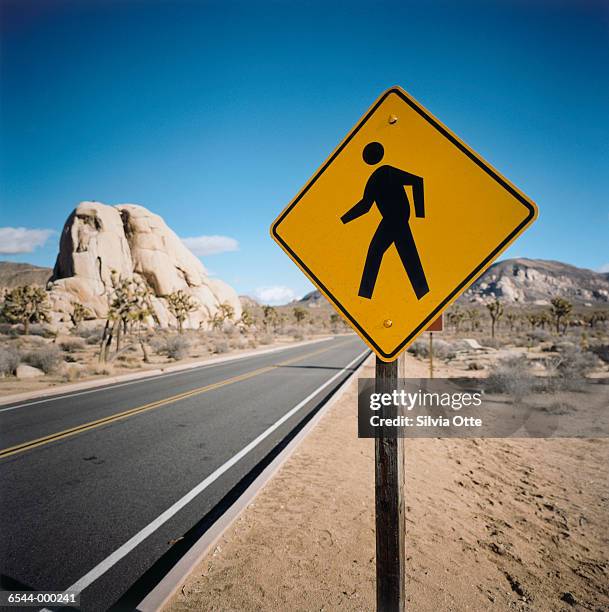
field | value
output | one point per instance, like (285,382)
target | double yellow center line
(24,446)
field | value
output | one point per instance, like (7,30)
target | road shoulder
(503,523)
(110,380)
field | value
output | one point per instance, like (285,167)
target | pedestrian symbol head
(373,153)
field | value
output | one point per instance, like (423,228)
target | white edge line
(168,586)
(121,552)
(143,379)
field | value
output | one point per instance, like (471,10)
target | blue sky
(214,114)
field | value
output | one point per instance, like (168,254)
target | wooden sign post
(390,506)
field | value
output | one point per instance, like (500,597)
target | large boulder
(100,244)
(27,371)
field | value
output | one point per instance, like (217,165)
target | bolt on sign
(398,222)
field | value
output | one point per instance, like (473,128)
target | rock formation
(100,243)
(537,281)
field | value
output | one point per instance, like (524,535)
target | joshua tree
(533,319)
(511,318)
(224,313)
(180,304)
(560,310)
(139,314)
(247,320)
(26,304)
(334,321)
(455,317)
(300,314)
(473,317)
(596,317)
(228,312)
(79,314)
(128,303)
(495,310)
(270,317)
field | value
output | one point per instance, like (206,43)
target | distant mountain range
(14,274)
(537,281)
(525,281)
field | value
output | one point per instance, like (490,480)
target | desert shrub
(72,373)
(37,329)
(562,346)
(8,329)
(298,336)
(252,343)
(46,358)
(158,344)
(511,376)
(101,369)
(441,349)
(219,346)
(72,345)
(536,336)
(176,347)
(570,367)
(94,339)
(9,360)
(231,330)
(238,343)
(265,339)
(601,351)
(419,348)
(129,361)
(89,332)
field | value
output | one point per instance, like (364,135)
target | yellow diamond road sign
(398,221)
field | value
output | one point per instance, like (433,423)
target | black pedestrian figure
(386,187)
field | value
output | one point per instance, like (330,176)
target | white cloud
(22,240)
(211,245)
(604,268)
(277,294)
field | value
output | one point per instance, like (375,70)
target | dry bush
(219,346)
(72,373)
(238,343)
(492,342)
(158,343)
(46,358)
(91,335)
(101,369)
(72,345)
(537,336)
(129,361)
(298,336)
(9,360)
(511,376)
(265,339)
(8,329)
(601,351)
(441,349)
(569,368)
(37,329)
(175,347)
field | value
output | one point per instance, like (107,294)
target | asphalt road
(103,489)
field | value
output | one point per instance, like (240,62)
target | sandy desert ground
(495,524)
